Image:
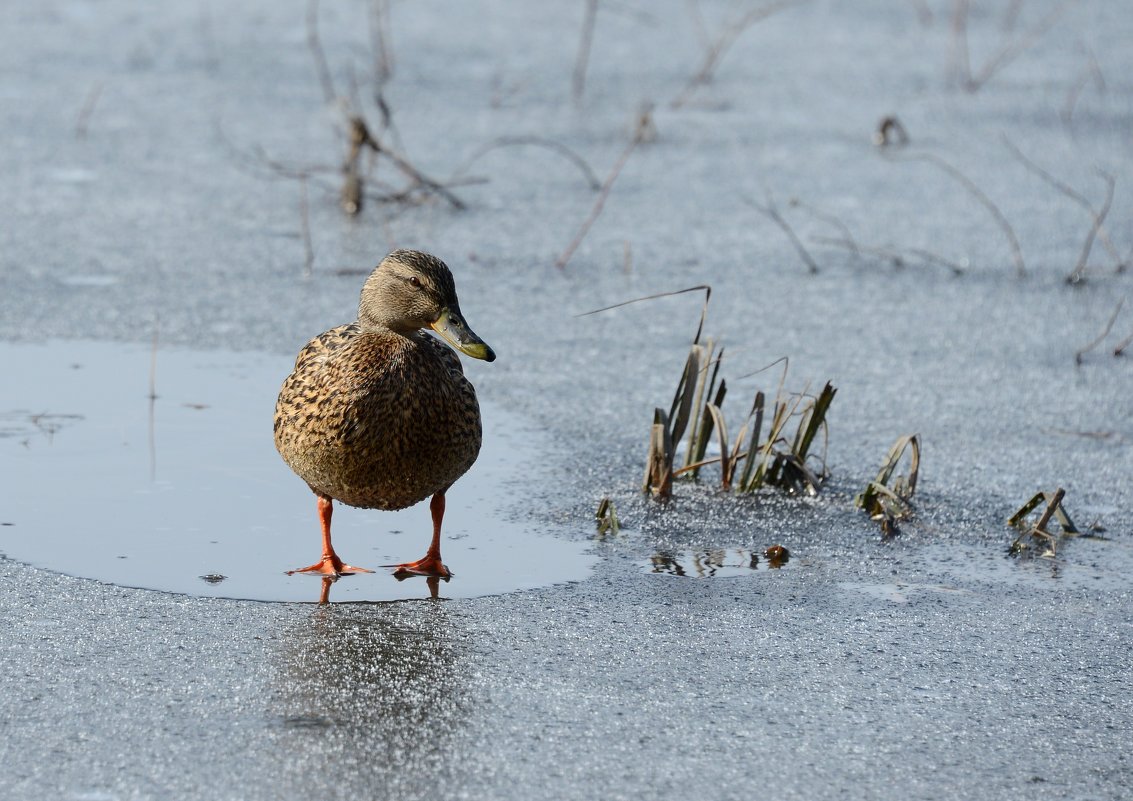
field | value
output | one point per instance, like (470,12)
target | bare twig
(830,219)
(1079,271)
(1006,54)
(1051,507)
(578,80)
(316,48)
(772,212)
(83,118)
(896,256)
(1105,332)
(361,137)
(978,194)
(603,193)
(1097,217)
(380,41)
(1092,72)
(534,141)
(1119,350)
(718,48)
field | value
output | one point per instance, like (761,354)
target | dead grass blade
(607,518)
(886,499)
(659,462)
(1080,354)
(698,288)
(1038,534)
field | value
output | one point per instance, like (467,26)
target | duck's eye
(414,281)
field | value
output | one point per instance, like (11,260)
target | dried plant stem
(600,201)
(83,119)
(1098,217)
(895,255)
(1079,271)
(1051,507)
(535,141)
(322,69)
(360,136)
(1074,93)
(578,79)
(1119,350)
(1105,332)
(380,41)
(1006,54)
(985,201)
(772,212)
(830,219)
(718,48)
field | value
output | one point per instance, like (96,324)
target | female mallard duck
(378,413)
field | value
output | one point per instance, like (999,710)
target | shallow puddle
(716,562)
(187,494)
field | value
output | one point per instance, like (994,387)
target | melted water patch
(185,493)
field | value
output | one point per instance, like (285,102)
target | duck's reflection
(371,695)
(432,585)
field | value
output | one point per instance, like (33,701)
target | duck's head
(411,290)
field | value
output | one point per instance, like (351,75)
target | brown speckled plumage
(377,413)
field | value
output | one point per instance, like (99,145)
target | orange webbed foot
(330,566)
(428,566)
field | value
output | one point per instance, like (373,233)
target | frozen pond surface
(190,496)
(150,166)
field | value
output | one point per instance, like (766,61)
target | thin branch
(1079,270)
(1006,54)
(895,255)
(1093,71)
(536,141)
(379,41)
(578,80)
(978,194)
(1122,345)
(316,48)
(360,133)
(772,213)
(87,110)
(830,219)
(717,49)
(603,193)
(1105,332)
(1071,193)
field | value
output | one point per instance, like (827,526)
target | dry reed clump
(753,459)
(607,518)
(1037,539)
(886,499)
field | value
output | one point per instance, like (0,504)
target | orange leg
(430,564)
(330,564)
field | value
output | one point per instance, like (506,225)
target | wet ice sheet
(188,495)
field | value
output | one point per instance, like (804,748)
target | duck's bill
(453,330)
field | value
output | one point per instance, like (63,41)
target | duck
(377,413)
